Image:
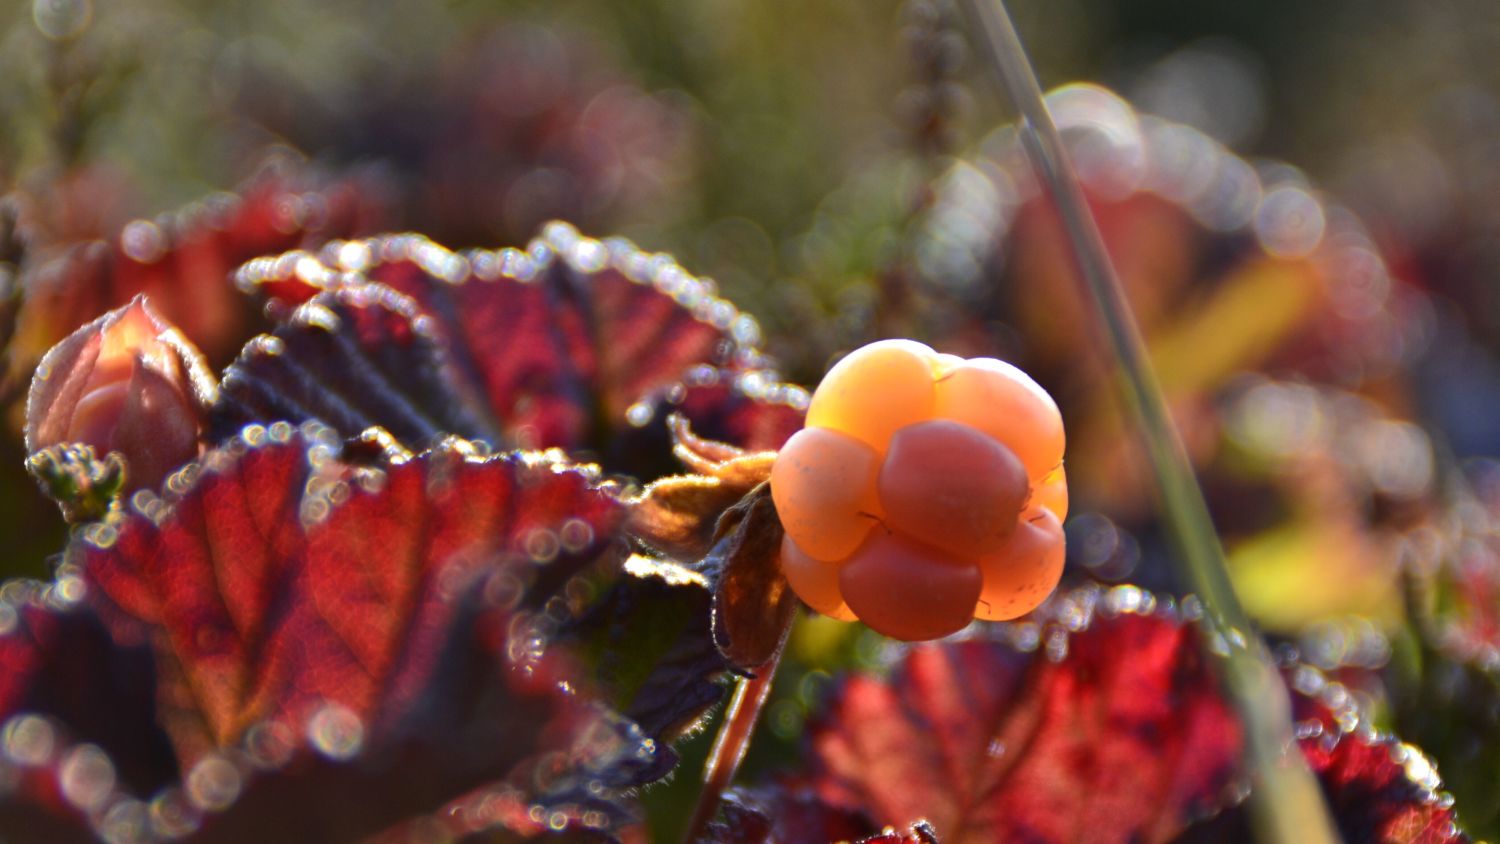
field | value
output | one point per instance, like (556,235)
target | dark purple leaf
(782,816)
(646,640)
(352,357)
(572,343)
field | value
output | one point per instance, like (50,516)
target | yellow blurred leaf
(1308,570)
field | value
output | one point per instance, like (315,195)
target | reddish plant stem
(733,740)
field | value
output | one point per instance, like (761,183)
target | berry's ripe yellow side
(823,485)
(944,363)
(1051,493)
(876,390)
(1004,402)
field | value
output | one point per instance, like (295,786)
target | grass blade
(1286,802)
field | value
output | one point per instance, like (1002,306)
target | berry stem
(1286,802)
(750,696)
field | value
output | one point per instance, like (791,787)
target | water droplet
(172,816)
(576,535)
(29,740)
(1027,636)
(542,546)
(721,314)
(1289,222)
(61,20)
(100,534)
(253,435)
(1309,729)
(143,241)
(314,511)
(125,822)
(214,783)
(336,732)
(504,590)
(639,414)
(1419,769)
(746,331)
(1229,201)
(1192,608)
(1057,645)
(354,256)
(68,591)
(269,745)
(588,256)
(86,777)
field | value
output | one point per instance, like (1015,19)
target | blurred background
(1299,197)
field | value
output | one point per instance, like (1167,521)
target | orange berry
(950,486)
(1004,402)
(814,581)
(907,590)
(960,463)
(823,485)
(1051,492)
(944,363)
(874,391)
(1020,576)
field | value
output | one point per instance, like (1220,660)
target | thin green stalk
(1286,803)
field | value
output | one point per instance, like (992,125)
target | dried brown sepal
(128,382)
(732,465)
(84,485)
(753,605)
(678,515)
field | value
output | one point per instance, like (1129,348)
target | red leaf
(560,342)
(353,358)
(62,753)
(371,638)
(1372,792)
(182,261)
(1125,739)
(58,662)
(1115,732)
(284,580)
